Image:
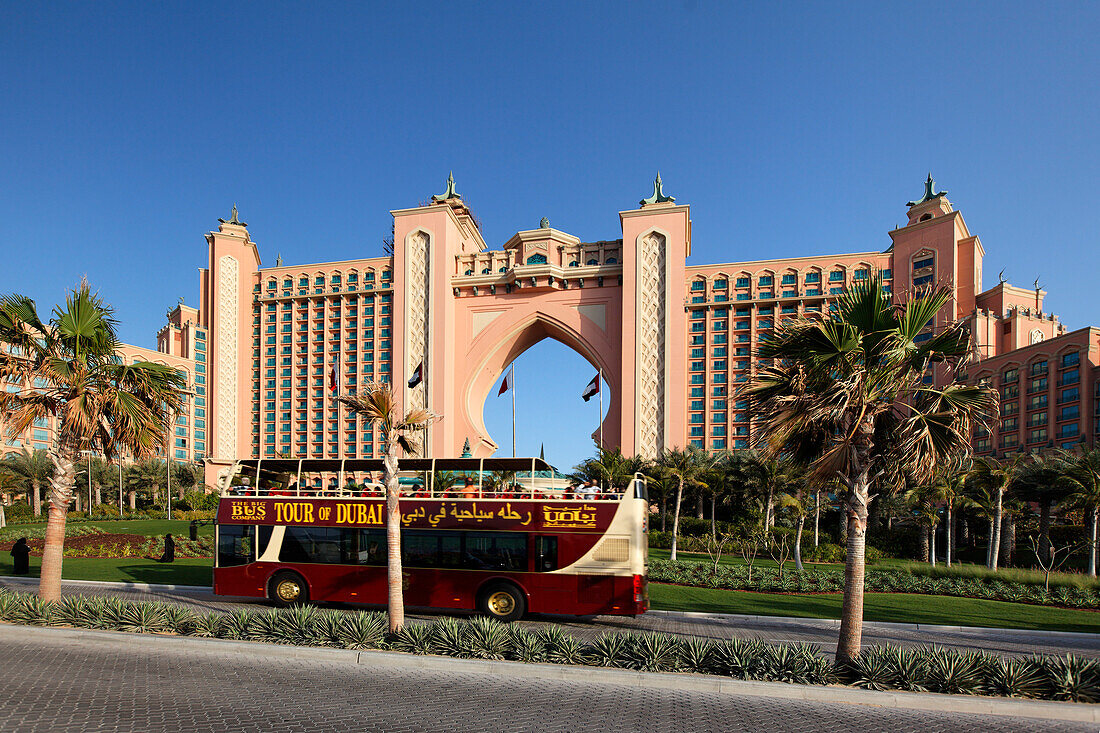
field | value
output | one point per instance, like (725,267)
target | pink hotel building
(674,341)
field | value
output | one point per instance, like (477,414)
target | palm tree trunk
(932,545)
(396,600)
(664,507)
(996,551)
(989,546)
(1008,539)
(61,491)
(768,511)
(798,543)
(950,534)
(36,500)
(133,500)
(923,551)
(98,494)
(713,521)
(1092,543)
(676,518)
(699,505)
(851,613)
(817,515)
(77,497)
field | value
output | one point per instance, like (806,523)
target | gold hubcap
(502,603)
(288,590)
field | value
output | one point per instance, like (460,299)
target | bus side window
(372,547)
(546,553)
(234,545)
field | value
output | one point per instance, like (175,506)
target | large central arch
(472,311)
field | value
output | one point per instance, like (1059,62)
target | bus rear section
(503,557)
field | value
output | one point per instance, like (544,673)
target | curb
(999,706)
(871,625)
(126,585)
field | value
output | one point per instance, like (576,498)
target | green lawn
(184,571)
(899,607)
(151,527)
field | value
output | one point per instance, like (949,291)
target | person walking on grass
(21,557)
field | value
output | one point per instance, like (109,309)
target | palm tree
(377,405)
(997,477)
(33,470)
(1041,480)
(101,475)
(609,468)
(923,500)
(847,397)
(1081,475)
(770,475)
(101,403)
(685,467)
(951,480)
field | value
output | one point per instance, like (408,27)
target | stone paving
(811,631)
(148,684)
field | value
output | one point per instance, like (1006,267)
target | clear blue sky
(127,129)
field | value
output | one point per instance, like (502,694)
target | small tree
(1048,561)
(377,405)
(779,547)
(749,547)
(716,546)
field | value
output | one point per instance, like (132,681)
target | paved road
(150,684)
(779,629)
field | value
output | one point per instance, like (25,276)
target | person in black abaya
(21,557)
(169,549)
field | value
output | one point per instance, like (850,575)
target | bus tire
(502,602)
(287,588)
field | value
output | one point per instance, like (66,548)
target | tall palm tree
(923,501)
(377,405)
(609,468)
(770,475)
(33,469)
(69,367)
(1041,480)
(951,480)
(847,396)
(684,467)
(798,503)
(997,477)
(101,476)
(1081,476)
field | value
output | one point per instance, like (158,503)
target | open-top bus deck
(501,547)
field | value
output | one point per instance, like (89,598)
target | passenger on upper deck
(469,490)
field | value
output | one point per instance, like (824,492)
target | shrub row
(816,580)
(111,512)
(881,668)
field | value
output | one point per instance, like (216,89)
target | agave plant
(414,639)
(561,647)
(654,652)
(8,602)
(486,638)
(178,619)
(524,646)
(873,669)
(33,611)
(209,625)
(787,662)
(296,625)
(326,628)
(71,611)
(142,617)
(954,672)
(910,669)
(695,654)
(112,614)
(365,630)
(448,638)
(1014,677)
(737,658)
(235,625)
(609,650)
(1073,678)
(270,626)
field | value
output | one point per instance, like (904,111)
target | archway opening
(550,414)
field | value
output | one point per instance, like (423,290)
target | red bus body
(599,568)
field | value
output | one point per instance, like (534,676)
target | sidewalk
(589,676)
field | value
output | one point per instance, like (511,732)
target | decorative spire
(929,192)
(233,218)
(279,260)
(658,196)
(466,449)
(544,223)
(449,193)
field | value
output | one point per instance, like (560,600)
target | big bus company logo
(255,510)
(581,517)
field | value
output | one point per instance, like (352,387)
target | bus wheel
(502,602)
(288,589)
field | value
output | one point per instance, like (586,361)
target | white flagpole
(513,370)
(599,385)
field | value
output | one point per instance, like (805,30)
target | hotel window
(698,392)
(836,291)
(721,338)
(1039,367)
(718,351)
(836,276)
(698,405)
(698,430)
(1068,431)
(1010,408)
(813,277)
(923,280)
(922,264)
(698,285)
(1010,375)
(790,279)
(863,274)
(1070,376)
(885,274)
(696,418)
(742,282)
(766,294)
(718,430)
(698,353)
(1039,384)
(813,291)
(1010,425)
(1069,395)
(764,280)
(720,364)
(721,284)
(1011,441)
(1037,436)
(1072,359)
(790,293)
(718,404)
(1069,412)
(698,366)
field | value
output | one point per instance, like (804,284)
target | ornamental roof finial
(279,260)
(544,223)
(929,192)
(658,196)
(466,449)
(449,193)
(233,218)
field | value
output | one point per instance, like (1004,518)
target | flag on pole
(333,377)
(418,375)
(503,386)
(592,389)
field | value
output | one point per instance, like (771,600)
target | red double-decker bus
(502,536)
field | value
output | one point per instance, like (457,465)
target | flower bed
(95,542)
(932,669)
(768,580)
